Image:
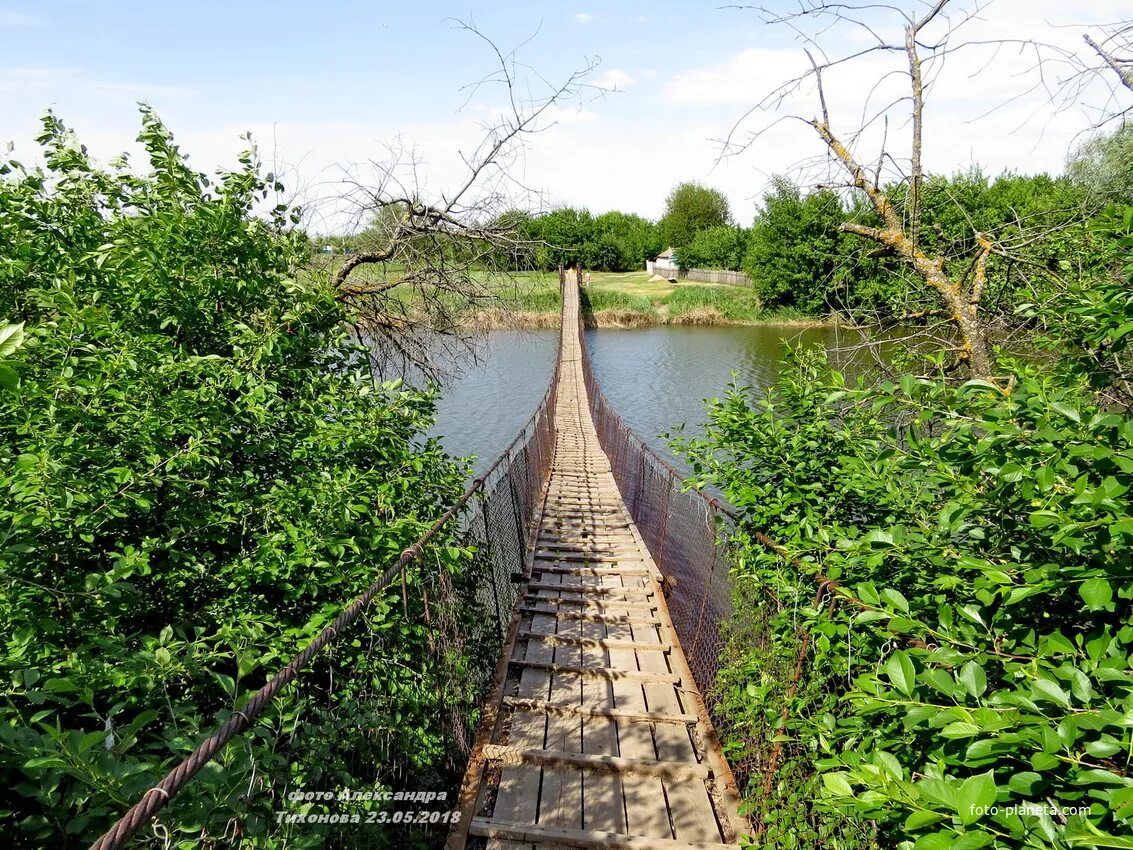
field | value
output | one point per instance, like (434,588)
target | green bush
(735,303)
(716,248)
(795,252)
(972,685)
(196,478)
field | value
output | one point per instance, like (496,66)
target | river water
(657,378)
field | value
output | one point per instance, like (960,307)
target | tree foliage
(1103,166)
(966,679)
(614,241)
(796,251)
(691,208)
(716,248)
(196,478)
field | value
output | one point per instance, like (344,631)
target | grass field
(620,299)
(632,299)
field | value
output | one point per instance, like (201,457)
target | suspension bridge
(609,589)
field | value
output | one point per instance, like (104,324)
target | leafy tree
(965,682)
(1103,166)
(613,241)
(796,252)
(568,235)
(196,476)
(715,248)
(11,340)
(1090,325)
(637,240)
(691,208)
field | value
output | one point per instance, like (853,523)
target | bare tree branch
(1122,67)
(432,257)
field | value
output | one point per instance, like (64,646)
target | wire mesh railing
(692,538)
(463,614)
(686,532)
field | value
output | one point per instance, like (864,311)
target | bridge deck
(595,735)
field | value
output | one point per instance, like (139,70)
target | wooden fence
(702,275)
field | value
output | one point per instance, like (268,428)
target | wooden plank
(644,796)
(690,808)
(589,591)
(544,567)
(603,795)
(605,643)
(564,614)
(603,672)
(612,764)
(550,707)
(560,797)
(600,605)
(585,838)
(514,799)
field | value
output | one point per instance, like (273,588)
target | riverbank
(530,301)
(631,300)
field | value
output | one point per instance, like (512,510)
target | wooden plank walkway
(595,735)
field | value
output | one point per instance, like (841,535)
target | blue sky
(323,85)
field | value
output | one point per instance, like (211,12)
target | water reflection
(482,407)
(657,378)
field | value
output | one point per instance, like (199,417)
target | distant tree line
(798,256)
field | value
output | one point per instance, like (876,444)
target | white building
(664,263)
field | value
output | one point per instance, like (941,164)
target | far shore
(500,318)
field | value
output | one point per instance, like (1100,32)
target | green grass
(736,304)
(619,294)
(655,302)
(616,299)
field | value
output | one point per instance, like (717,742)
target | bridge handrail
(154,799)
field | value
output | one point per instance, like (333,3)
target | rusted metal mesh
(466,617)
(686,533)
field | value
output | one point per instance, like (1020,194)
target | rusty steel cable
(532,449)
(684,529)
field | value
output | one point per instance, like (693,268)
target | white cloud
(983,106)
(40,82)
(611,153)
(140,91)
(583,18)
(615,78)
(741,80)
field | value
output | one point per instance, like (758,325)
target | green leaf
(226,683)
(44,761)
(935,841)
(878,539)
(973,678)
(922,818)
(1049,691)
(1067,411)
(977,796)
(895,599)
(960,729)
(11,338)
(1024,783)
(838,784)
(1097,593)
(901,671)
(973,840)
